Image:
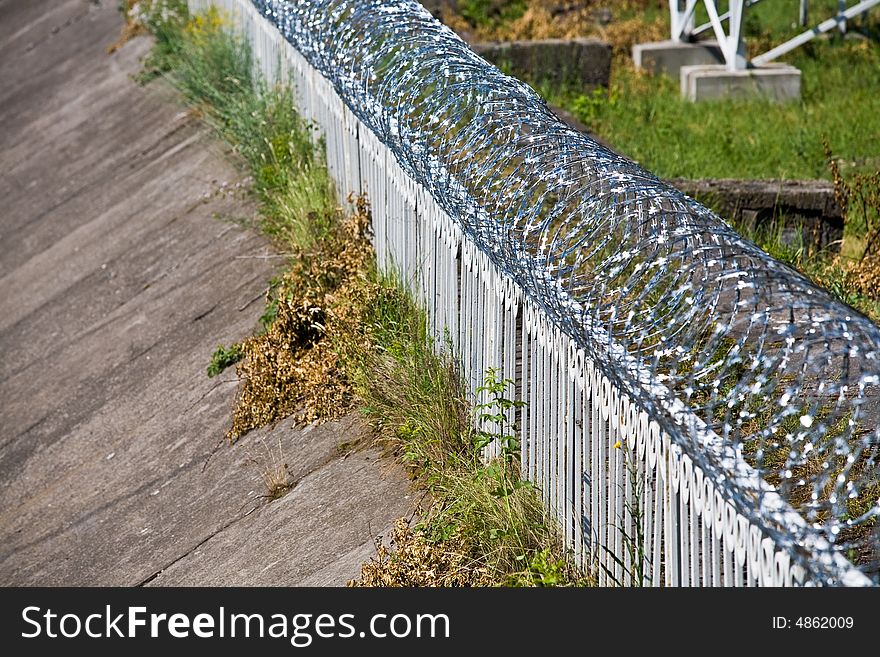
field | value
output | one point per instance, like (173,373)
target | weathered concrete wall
(581,63)
(804,205)
(670,56)
(123,265)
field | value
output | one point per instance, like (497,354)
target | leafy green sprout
(497,412)
(223,357)
(633,543)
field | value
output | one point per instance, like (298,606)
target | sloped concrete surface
(124,262)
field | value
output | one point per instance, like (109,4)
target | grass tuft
(274,472)
(485,523)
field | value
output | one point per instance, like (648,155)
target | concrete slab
(579,63)
(808,209)
(124,263)
(670,56)
(777,82)
(306,537)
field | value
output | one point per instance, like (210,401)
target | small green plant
(497,413)
(590,108)
(544,569)
(223,357)
(630,525)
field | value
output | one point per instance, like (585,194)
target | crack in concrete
(197,546)
(26,431)
(58,28)
(262,502)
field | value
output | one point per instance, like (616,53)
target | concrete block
(808,209)
(582,63)
(779,82)
(669,56)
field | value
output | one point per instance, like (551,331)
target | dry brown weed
(293,368)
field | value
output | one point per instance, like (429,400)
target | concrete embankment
(123,264)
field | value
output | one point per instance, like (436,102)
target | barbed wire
(695,323)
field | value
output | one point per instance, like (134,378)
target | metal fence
(696,413)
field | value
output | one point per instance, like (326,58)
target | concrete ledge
(807,209)
(779,82)
(583,63)
(670,56)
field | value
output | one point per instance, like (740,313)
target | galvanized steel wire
(742,361)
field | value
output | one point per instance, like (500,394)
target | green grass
(215,74)
(490,12)
(415,398)
(645,118)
